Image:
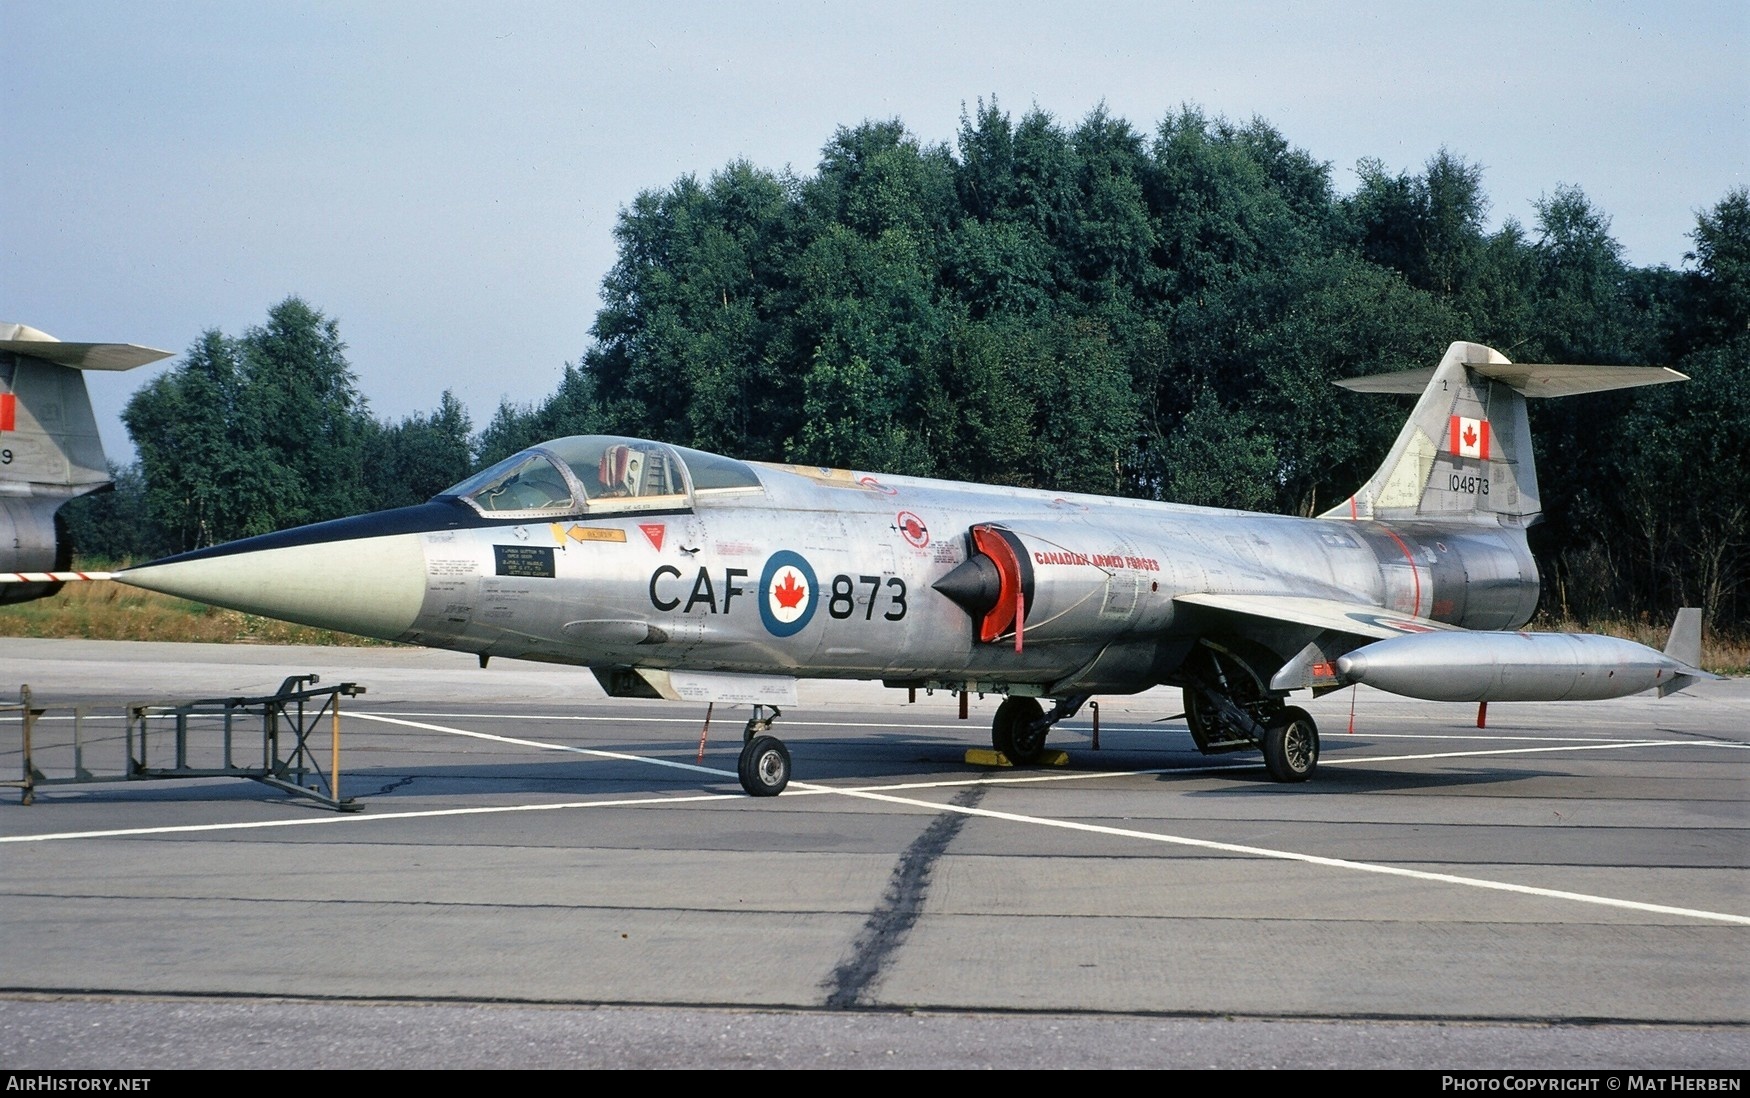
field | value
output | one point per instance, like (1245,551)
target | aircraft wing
(1314,666)
(1357,619)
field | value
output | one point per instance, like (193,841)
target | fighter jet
(50,451)
(678,574)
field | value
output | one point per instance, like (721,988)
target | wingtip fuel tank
(1484,667)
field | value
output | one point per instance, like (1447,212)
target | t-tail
(1463,463)
(50,451)
(1464,456)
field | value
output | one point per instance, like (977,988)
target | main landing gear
(764,766)
(1230,707)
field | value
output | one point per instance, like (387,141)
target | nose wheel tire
(1019,730)
(1291,746)
(764,766)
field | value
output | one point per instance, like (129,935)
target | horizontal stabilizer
(1533,379)
(86,356)
(21,339)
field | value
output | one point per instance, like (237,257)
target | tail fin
(1685,641)
(1685,648)
(48,436)
(1465,454)
(50,450)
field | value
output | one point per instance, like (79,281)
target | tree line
(1077,307)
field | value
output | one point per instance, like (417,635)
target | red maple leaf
(1470,435)
(789,593)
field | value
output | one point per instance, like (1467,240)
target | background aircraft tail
(49,443)
(1464,456)
(50,450)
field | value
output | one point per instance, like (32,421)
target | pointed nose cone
(350,575)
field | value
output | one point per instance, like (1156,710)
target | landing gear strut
(759,722)
(1230,707)
(1021,725)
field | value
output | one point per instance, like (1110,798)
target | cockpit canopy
(599,475)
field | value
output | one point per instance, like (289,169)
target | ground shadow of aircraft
(678,574)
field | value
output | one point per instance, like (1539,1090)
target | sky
(443,179)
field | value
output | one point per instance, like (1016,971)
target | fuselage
(696,562)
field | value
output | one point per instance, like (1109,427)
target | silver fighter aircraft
(50,451)
(679,574)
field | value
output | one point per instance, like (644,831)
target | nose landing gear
(764,765)
(1021,725)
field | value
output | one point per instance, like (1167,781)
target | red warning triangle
(654,531)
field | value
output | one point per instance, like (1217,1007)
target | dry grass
(1724,654)
(106,610)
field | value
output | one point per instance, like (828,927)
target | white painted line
(319,821)
(1481,752)
(623,757)
(886,794)
(1307,859)
(1077,728)
(695,721)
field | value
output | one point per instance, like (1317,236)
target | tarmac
(539,876)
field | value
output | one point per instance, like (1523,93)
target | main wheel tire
(764,766)
(1014,731)
(1291,746)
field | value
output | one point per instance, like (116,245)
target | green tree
(411,461)
(689,342)
(1429,227)
(207,477)
(300,402)
(251,435)
(1722,270)
(112,526)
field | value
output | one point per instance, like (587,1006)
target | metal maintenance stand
(200,739)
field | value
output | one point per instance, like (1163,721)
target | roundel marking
(788,593)
(1391,621)
(912,529)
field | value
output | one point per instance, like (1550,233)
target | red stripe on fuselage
(1415,576)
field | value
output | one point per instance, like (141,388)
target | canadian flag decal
(1470,437)
(8,412)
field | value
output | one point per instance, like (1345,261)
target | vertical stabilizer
(48,435)
(50,450)
(1465,454)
